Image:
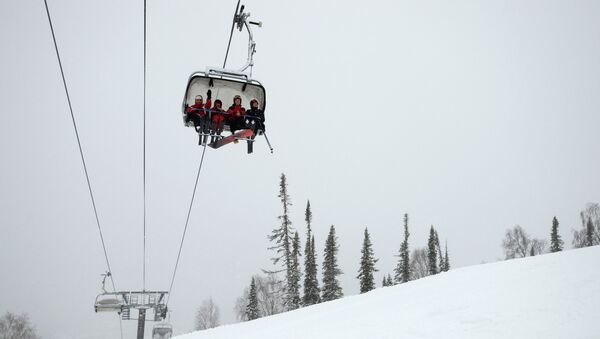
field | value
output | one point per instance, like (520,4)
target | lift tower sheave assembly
(124,302)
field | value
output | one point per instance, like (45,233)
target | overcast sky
(472,116)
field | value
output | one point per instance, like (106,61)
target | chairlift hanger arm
(241,21)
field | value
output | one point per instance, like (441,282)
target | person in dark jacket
(255,120)
(255,117)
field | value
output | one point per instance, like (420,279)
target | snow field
(549,296)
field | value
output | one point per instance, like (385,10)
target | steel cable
(80,148)
(186,225)
(144,256)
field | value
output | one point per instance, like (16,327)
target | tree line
(518,244)
(290,286)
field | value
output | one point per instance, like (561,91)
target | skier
(235,113)
(197,113)
(255,118)
(217,121)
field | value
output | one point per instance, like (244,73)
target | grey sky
(472,116)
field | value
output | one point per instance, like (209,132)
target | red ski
(243,134)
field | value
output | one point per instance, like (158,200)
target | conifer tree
(282,239)
(439,251)
(294,283)
(402,271)
(384,282)
(390,282)
(311,281)
(367,265)
(252,307)
(556,243)
(589,233)
(432,253)
(446,267)
(331,286)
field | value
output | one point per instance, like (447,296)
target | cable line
(144,257)
(87,177)
(186,224)
(231,33)
(199,168)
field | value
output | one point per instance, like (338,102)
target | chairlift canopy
(224,86)
(162,331)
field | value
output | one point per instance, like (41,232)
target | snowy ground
(548,296)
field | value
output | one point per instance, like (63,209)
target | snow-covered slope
(548,296)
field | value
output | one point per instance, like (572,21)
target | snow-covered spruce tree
(589,233)
(446,267)
(311,282)
(252,307)
(432,253)
(402,271)
(282,239)
(367,265)
(294,284)
(387,280)
(439,251)
(556,243)
(331,286)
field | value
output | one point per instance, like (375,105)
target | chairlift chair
(162,330)
(224,86)
(227,83)
(109,302)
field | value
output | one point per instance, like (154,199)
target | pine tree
(589,233)
(294,283)
(331,286)
(390,282)
(556,243)
(311,281)
(367,265)
(439,251)
(446,267)
(384,282)
(432,253)
(252,307)
(402,271)
(282,239)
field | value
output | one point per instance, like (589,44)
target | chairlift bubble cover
(223,89)
(162,331)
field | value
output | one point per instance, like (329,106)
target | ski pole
(268,143)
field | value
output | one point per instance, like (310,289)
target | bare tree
(537,247)
(16,327)
(270,295)
(207,315)
(418,264)
(516,243)
(240,305)
(590,233)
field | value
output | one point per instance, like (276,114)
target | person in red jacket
(235,114)
(218,118)
(197,113)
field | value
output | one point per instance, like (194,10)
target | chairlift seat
(109,302)
(162,331)
(224,86)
